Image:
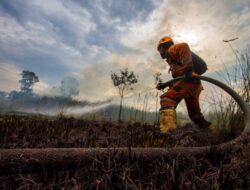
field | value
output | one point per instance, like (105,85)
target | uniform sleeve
(181,53)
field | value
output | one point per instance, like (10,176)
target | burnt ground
(215,170)
(26,132)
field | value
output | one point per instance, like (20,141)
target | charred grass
(215,170)
(35,132)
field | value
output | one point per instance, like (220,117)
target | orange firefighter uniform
(179,58)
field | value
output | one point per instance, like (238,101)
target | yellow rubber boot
(167,120)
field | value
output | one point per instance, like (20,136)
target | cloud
(57,38)
(48,40)
(203,24)
(10,75)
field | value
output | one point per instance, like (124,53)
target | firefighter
(179,58)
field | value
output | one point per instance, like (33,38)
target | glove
(160,86)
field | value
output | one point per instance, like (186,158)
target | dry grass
(216,170)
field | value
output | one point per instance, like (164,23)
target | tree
(28,80)
(123,83)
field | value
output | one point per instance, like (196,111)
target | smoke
(21,103)
(69,86)
(96,83)
(79,111)
(75,111)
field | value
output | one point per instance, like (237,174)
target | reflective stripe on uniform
(167,102)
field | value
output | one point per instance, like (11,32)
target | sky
(90,39)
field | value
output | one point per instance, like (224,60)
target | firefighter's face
(162,52)
(168,60)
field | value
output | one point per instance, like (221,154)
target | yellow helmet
(164,40)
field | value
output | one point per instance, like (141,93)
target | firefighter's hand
(160,86)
